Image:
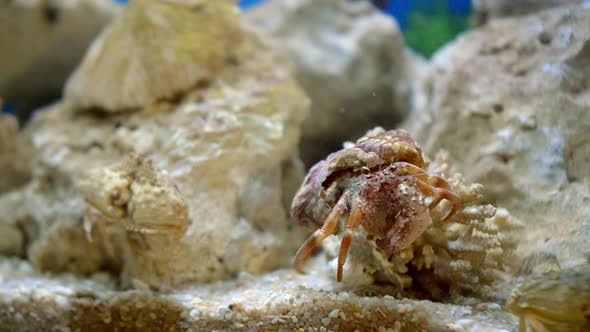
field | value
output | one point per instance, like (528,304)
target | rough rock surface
(491,9)
(14,172)
(42,42)
(226,149)
(278,301)
(163,58)
(14,154)
(350,59)
(509,102)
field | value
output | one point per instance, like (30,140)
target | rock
(351,61)
(42,43)
(281,300)
(135,194)
(14,154)
(204,197)
(553,301)
(13,242)
(152,52)
(509,102)
(492,9)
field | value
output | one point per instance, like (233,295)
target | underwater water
(296,165)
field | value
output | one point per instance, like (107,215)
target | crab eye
(365,171)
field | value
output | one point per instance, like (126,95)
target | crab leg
(355,219)
(432,184)
(440,194)
(320,234)
(432,179)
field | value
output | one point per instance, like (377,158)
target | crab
(380,183)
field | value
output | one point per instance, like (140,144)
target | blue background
(400,9)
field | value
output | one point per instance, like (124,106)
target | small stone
(333,313)
(195,314)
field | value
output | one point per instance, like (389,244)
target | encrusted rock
(134,194)
(42,42)
(509,101)
(221,158)
(351,61)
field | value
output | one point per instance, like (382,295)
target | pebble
(333,313)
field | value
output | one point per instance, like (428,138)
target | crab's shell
(321,187)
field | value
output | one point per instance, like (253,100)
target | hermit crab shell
(377,148)
(392,146)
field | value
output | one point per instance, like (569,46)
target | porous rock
(221,154)
(349,58)
(42,42)
(277,301)
(509,102)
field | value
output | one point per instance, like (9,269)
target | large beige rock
(186,191)
(350,59)
(510,103)
(151,53)
(42,42)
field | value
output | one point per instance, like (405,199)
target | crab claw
(409,223)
